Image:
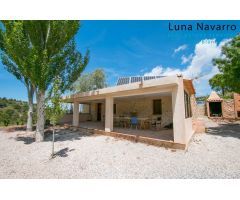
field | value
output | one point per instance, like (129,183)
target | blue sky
(127,48)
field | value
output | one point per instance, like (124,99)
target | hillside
(13,112)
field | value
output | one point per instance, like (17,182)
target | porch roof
(164,84)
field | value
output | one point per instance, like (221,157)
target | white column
(75,114)
(208,111)
(178,108)
(109,114)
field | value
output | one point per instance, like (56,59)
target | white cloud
(186,59)
(180,48)
(200,67)
(162,71)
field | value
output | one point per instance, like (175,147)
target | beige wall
(188,129)
(68,118)
(144,107)
(194,107)
(94,111)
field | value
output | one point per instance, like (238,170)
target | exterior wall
(201,110)
(194,107)
(68,118)
(228,109)
(237,104)
(103,112)
(178,107)
(188,129)
(144,108)
(86,108)
(94,111)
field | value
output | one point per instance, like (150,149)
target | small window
(238,114)
(84,108)
(157,107)
(114,109)
(187,102)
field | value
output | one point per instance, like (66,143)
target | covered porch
(151,111)
(163,134)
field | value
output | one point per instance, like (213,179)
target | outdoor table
(126,120)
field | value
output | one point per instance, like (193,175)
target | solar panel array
(134,79)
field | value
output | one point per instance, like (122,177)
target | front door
(99,112)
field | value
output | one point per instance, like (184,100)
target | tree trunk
(30,109)
(40,116)
(223,92)
(53,138)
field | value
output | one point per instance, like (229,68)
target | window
(238,113)
(187,102)
(157,107)
(84,108)
(114,109)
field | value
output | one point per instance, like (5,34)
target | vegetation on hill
(13,112)
(201,98)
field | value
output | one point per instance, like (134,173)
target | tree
(16,53)
(217,83)
(90,81)
(54,108)
(229,64)
(55,55)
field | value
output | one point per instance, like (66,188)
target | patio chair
(116,122)
(156,123)
(121,121)
(134,122)
(146,124)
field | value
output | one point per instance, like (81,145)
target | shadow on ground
(26,140)
(63,152)
(61,135)
(225,130)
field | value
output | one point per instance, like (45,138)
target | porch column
(75,114)
(178,108)
(109,114)
(208,112)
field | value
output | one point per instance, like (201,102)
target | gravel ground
(211,155)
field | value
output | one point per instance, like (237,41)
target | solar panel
(123,80)
(135,79)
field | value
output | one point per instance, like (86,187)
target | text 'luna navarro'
(201,27)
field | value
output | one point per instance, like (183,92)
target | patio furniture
(144,123)
(127,122)
(121,121)
(156,123)
(134,122)
(116,122)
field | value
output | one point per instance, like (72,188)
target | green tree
(55,55)
(90,81)
(15,49)
(54,107)
(218,83)
(229,64)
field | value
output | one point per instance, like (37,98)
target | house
(160,106)
(223,108)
